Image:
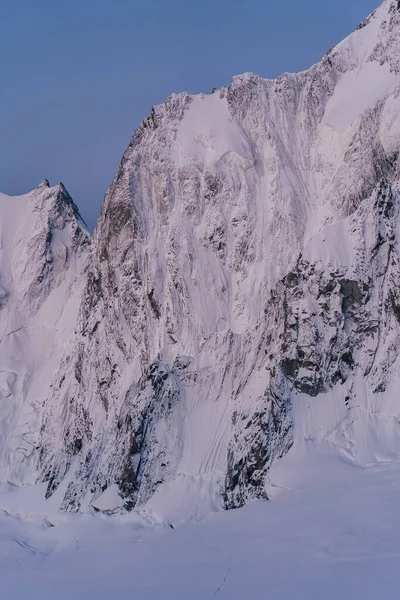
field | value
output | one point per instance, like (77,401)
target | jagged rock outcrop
(246,255)
(332,321)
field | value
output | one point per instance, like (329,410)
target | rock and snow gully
(240,295)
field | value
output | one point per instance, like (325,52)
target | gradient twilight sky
(78,76)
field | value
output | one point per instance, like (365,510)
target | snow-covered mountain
(241,294)
(43,244)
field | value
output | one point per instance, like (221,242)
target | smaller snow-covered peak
(43,249)
(43,184)
(39,233)
(55,203)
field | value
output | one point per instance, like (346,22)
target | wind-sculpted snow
(246,257)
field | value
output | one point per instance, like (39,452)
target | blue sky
(78,76)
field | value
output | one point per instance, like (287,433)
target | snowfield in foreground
(334,534)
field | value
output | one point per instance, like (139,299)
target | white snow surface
(367,81)
(207,133)
(39,304)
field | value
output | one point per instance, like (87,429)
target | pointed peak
(43,184)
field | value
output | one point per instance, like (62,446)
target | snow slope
(42,247)
(333,534)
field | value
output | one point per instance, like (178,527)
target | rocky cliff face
(246,254)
